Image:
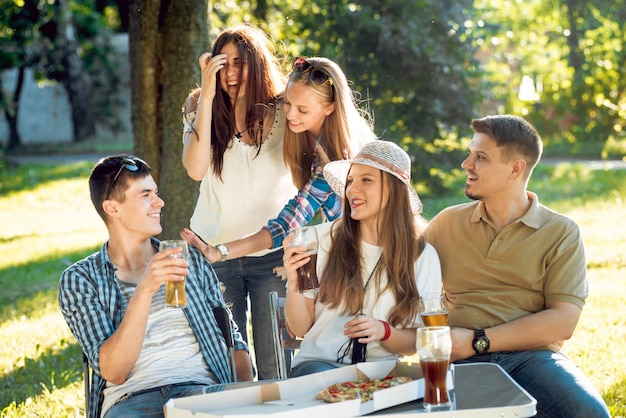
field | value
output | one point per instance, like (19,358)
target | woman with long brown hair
(372,266)
(234,127)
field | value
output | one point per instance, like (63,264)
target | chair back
(285,345)
(87,377)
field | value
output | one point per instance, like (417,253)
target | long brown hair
(401,235)
(265,84)
(343,130)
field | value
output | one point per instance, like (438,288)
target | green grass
(47,222)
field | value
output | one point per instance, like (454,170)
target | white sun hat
(383,155)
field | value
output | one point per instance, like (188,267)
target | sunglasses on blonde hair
(318,77)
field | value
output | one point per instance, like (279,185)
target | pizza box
(297,396)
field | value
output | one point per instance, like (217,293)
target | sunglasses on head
(128,163)
(318,77)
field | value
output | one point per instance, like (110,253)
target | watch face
(481,345)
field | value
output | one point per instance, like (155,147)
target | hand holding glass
(434,309)
(307,274)
(434,345)
(175,296)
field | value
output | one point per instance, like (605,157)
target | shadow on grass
(30,288)
(27,177)
(51,369)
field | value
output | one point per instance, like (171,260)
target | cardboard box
(296,397)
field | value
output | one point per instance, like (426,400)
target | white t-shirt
(170,352)
(325,338)
(253,189)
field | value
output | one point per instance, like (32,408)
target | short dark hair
(109,179)
(514,135)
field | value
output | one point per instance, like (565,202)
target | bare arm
(260,240)
(197,143)
(119,353)
(556,323)
(250,244)
(299,310)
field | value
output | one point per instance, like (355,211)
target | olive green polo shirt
(492,278)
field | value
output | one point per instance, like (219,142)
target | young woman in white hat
(372,265)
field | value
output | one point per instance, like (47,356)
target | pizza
(363,389)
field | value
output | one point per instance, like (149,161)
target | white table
(481,390)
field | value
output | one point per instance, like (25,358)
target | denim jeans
(254,278)
(309,367)
(558,385)
(149,403)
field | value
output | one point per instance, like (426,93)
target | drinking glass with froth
(307,275)
(434,309)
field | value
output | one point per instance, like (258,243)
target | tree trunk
(75,80)
(573,40)
(11,111)
(166,38)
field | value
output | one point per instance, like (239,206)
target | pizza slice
(363,389)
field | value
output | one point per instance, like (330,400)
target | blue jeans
(254,278)
(309,367)
(149,403)
(558,385)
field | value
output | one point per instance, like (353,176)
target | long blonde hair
(401,235)
(344,131)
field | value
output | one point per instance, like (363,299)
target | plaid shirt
(91,303)
(299,211)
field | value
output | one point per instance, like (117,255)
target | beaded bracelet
(387,331)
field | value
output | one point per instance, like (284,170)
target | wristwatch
(481,342)
(223,250)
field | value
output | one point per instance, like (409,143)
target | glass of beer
(307,275)
(434,309)
(434,345)
(175,296)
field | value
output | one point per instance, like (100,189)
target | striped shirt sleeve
(315,195)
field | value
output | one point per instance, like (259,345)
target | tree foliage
(63,41)
(18,25)
(574,53)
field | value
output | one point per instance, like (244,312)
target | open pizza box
(296,397)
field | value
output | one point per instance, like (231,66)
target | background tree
(18,24)
(165,40)
(67,42)
(572,51)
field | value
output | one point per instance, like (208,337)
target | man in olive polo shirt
(514,272)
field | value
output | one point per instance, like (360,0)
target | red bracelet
(387,331)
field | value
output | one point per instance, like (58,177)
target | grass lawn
(47,222)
